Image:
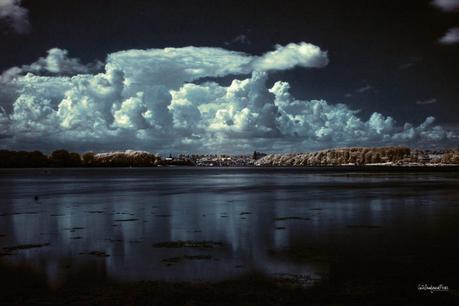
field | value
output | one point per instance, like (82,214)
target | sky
(227,76)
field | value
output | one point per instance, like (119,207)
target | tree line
(64,158)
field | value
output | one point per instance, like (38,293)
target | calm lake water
(308,224)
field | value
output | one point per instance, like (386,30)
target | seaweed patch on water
(291,218)
(300,280)
(175,260)
(96,253)
(25,247)
(364,226)
(188,244)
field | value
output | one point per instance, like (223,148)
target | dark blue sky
(385,56)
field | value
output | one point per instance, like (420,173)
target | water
(310,224)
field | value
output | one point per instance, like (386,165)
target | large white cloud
(159,100)
(14,15)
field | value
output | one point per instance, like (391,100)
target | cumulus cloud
(291,55)
(57,62)
(14,15)
(451,37)
(158,100)
(447,5)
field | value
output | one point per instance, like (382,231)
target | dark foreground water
(357,229)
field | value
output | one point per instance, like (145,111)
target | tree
(62,158)
(88,158)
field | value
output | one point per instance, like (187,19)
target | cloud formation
(451,37)
(428,101)
(158,100)
(57,62)
(286,57)
(14,15)
(447,5)
(240,39)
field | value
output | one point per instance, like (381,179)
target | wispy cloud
(365,88)
(428,101)
(451,37)
(241,39)
(447,5)
(411,62)
(14,15)
(360,91)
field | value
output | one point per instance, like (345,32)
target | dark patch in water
(297,254)
(96,253)
(125,220)
(175,260)
(280,227)
(73,229)
(291,218)
(367,226)
(114,240)
(75,238)
(163,216)
(95,212)
(245,213)
(25,247)
(188,244)
(19,213)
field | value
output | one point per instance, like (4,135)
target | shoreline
(434,167)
